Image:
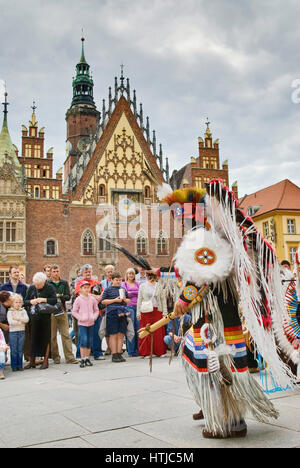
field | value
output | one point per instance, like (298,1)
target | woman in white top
(150,308)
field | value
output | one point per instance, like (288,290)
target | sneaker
(82,363)
(100,358)
(88,363)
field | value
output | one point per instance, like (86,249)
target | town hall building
(106,190)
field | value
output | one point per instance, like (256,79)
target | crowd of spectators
(101,317)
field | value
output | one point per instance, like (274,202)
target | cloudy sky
(235,62)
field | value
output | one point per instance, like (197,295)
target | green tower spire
(82,59)
(83,84)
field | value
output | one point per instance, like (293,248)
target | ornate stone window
(141,243)
(162,244)
(11,231)
(87,243)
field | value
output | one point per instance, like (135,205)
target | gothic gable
(122,160)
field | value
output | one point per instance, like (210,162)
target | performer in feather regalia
(224,264)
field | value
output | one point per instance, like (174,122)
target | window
(37,151)
(104,246)
(206,162)
(28,170)
(266,229)
(36,192)
(27,150)
(45,172)
(10,232)
(102,190)
(198,182)
(4,277)
(162,244)
(37,171)
(293,251)
(55,193)
(50,247)
(45,191)
(141,243)
(147,192)
(214,163)
(291,226)
(87,243)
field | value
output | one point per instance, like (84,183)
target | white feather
(164,190)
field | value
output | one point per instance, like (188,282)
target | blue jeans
(168,342)
(16,341)
(85,336)
(2,361)
(133,346)
(97,343)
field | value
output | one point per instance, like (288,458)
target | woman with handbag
(38,295)
(151,307)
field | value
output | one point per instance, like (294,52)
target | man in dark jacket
(14,284)
(61,322)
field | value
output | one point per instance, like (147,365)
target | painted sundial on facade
(127,206)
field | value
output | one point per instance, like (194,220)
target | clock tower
(82,118)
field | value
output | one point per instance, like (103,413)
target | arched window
(147,191)
(141,243)
(51,248)
(102,190)
(87,243)
(162,246)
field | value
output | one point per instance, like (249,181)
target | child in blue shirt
(116,300)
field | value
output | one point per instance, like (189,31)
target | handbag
(47,309)
(147,306)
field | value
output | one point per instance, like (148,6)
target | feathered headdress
(186,203)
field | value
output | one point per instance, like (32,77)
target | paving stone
(185,433)
(24,432)
(67,443)
(125,438)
